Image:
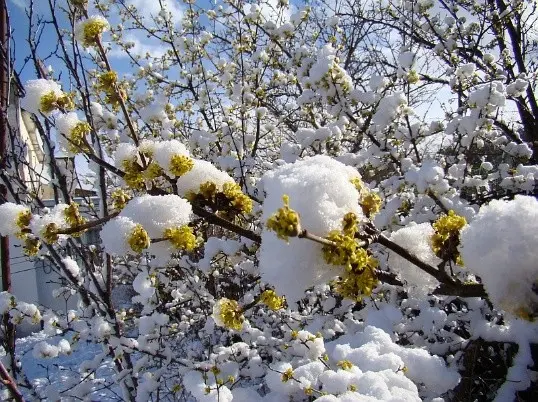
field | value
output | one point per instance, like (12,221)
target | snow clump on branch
(72,132)
(45,96)
(163,217)
(321,192)
(13,218)
(202,172)
(499,245)
(89,31)
(415,239)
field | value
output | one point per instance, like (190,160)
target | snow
(307,136)
(115,234)
(56,216)
(428,176)
(150,324)
(415,239)
(308,345)
(245,394)
(155,111)
(72,266)
(194,383)
(500,246)
(163,151)
(214,246)
(125,152)
(65,123)
(6,301)
(455,149)
(406,59)
(9,213)
(373,350)
(517,88)
(320,190)
(143,285)
(61,374)
(35,89)
(465,71)
(44,349)
(158,212)
(155,214)
(202,172)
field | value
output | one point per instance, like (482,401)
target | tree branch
(8,381)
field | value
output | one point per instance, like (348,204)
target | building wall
(33,280)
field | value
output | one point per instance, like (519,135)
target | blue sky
(19,26)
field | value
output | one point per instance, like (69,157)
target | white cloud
(19,3)
(147,10)
(40,6)
(152,8)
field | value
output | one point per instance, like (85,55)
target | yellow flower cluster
(237,199)
(336,76)
(287,375)
(285,222)
(272,300)
(50,234)
(308,391)
(153,171)
(31,246)
(369,202)
(22,222)
(134,174)
(73,216)
(345,250)
(359,278)
(107,82)
(357,182)
(180,164)
(446,238)
(119,198)
(182,237)
(138,239)
(92,29)
(228,314)
(77,138)
(230,198)
(356,284)
(208,190)
(412,77)
(345,364)
(349,223)
(51,101)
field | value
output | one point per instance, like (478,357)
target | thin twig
(305,234)
(225,224)
(448,286)
(87,225)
